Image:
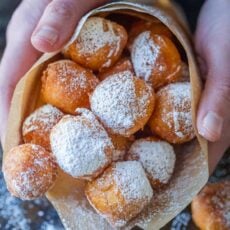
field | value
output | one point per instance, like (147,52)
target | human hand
(213,46)
(36,26)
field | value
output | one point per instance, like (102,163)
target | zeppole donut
(29,171)
(37,126)
(156,59)
(123,103)
(157,158)
(211,207)
(124,64)
(172,116)
(81,145)
(120,193)
(67,86)
(156,27)
(99,44)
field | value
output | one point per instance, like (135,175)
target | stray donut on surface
(123,65)
(172,116)
(67,85)
(37,126)
(157,158)
(156,27)
(123,103)
(156,59)
(81,145)
(120,193)
(99,44)
(29,171)
(211,207)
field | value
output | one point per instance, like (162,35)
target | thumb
(214,109)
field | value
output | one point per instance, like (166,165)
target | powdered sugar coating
(29,171)
(132,181)
(180,98)
(37,126)
(211,207)
(157,158)
(120,193)
(46,116)
(144,55)
(119,105)
(93,37)
(172,117)
(81,145)
(67,85)
(221,202)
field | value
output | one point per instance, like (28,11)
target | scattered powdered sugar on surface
(179,99)
(79,144)
(157,158)
(95,34)
(12,213)
(144,55)
(44,117)
(132,181)
(116,104)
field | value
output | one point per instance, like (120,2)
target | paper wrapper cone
(191,171)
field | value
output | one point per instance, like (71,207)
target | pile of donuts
(114,107)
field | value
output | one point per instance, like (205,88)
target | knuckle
(64,9)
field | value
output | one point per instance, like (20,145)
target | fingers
(212,43)
(58,23)
(217,149)
(214,109)
(19,54)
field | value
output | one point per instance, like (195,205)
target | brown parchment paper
(191,173)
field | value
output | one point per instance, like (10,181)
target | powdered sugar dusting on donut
(144,55)
(96,34)
(132,181)
(73,77)
(44,117)
(221,203)
(115,102)
(31,182)
(81,145)
(157,158)
(180,100)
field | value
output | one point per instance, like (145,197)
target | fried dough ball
(121,145)
(37,126)
(81,145)
(156,27)
(123,65)
(211,207)
(29,171)
(121,193)
(172,117)
(157,158)
(123,103)
(156,59)
(99,44)
(67,85)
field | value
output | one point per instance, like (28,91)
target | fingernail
(47,34)
(211,126)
